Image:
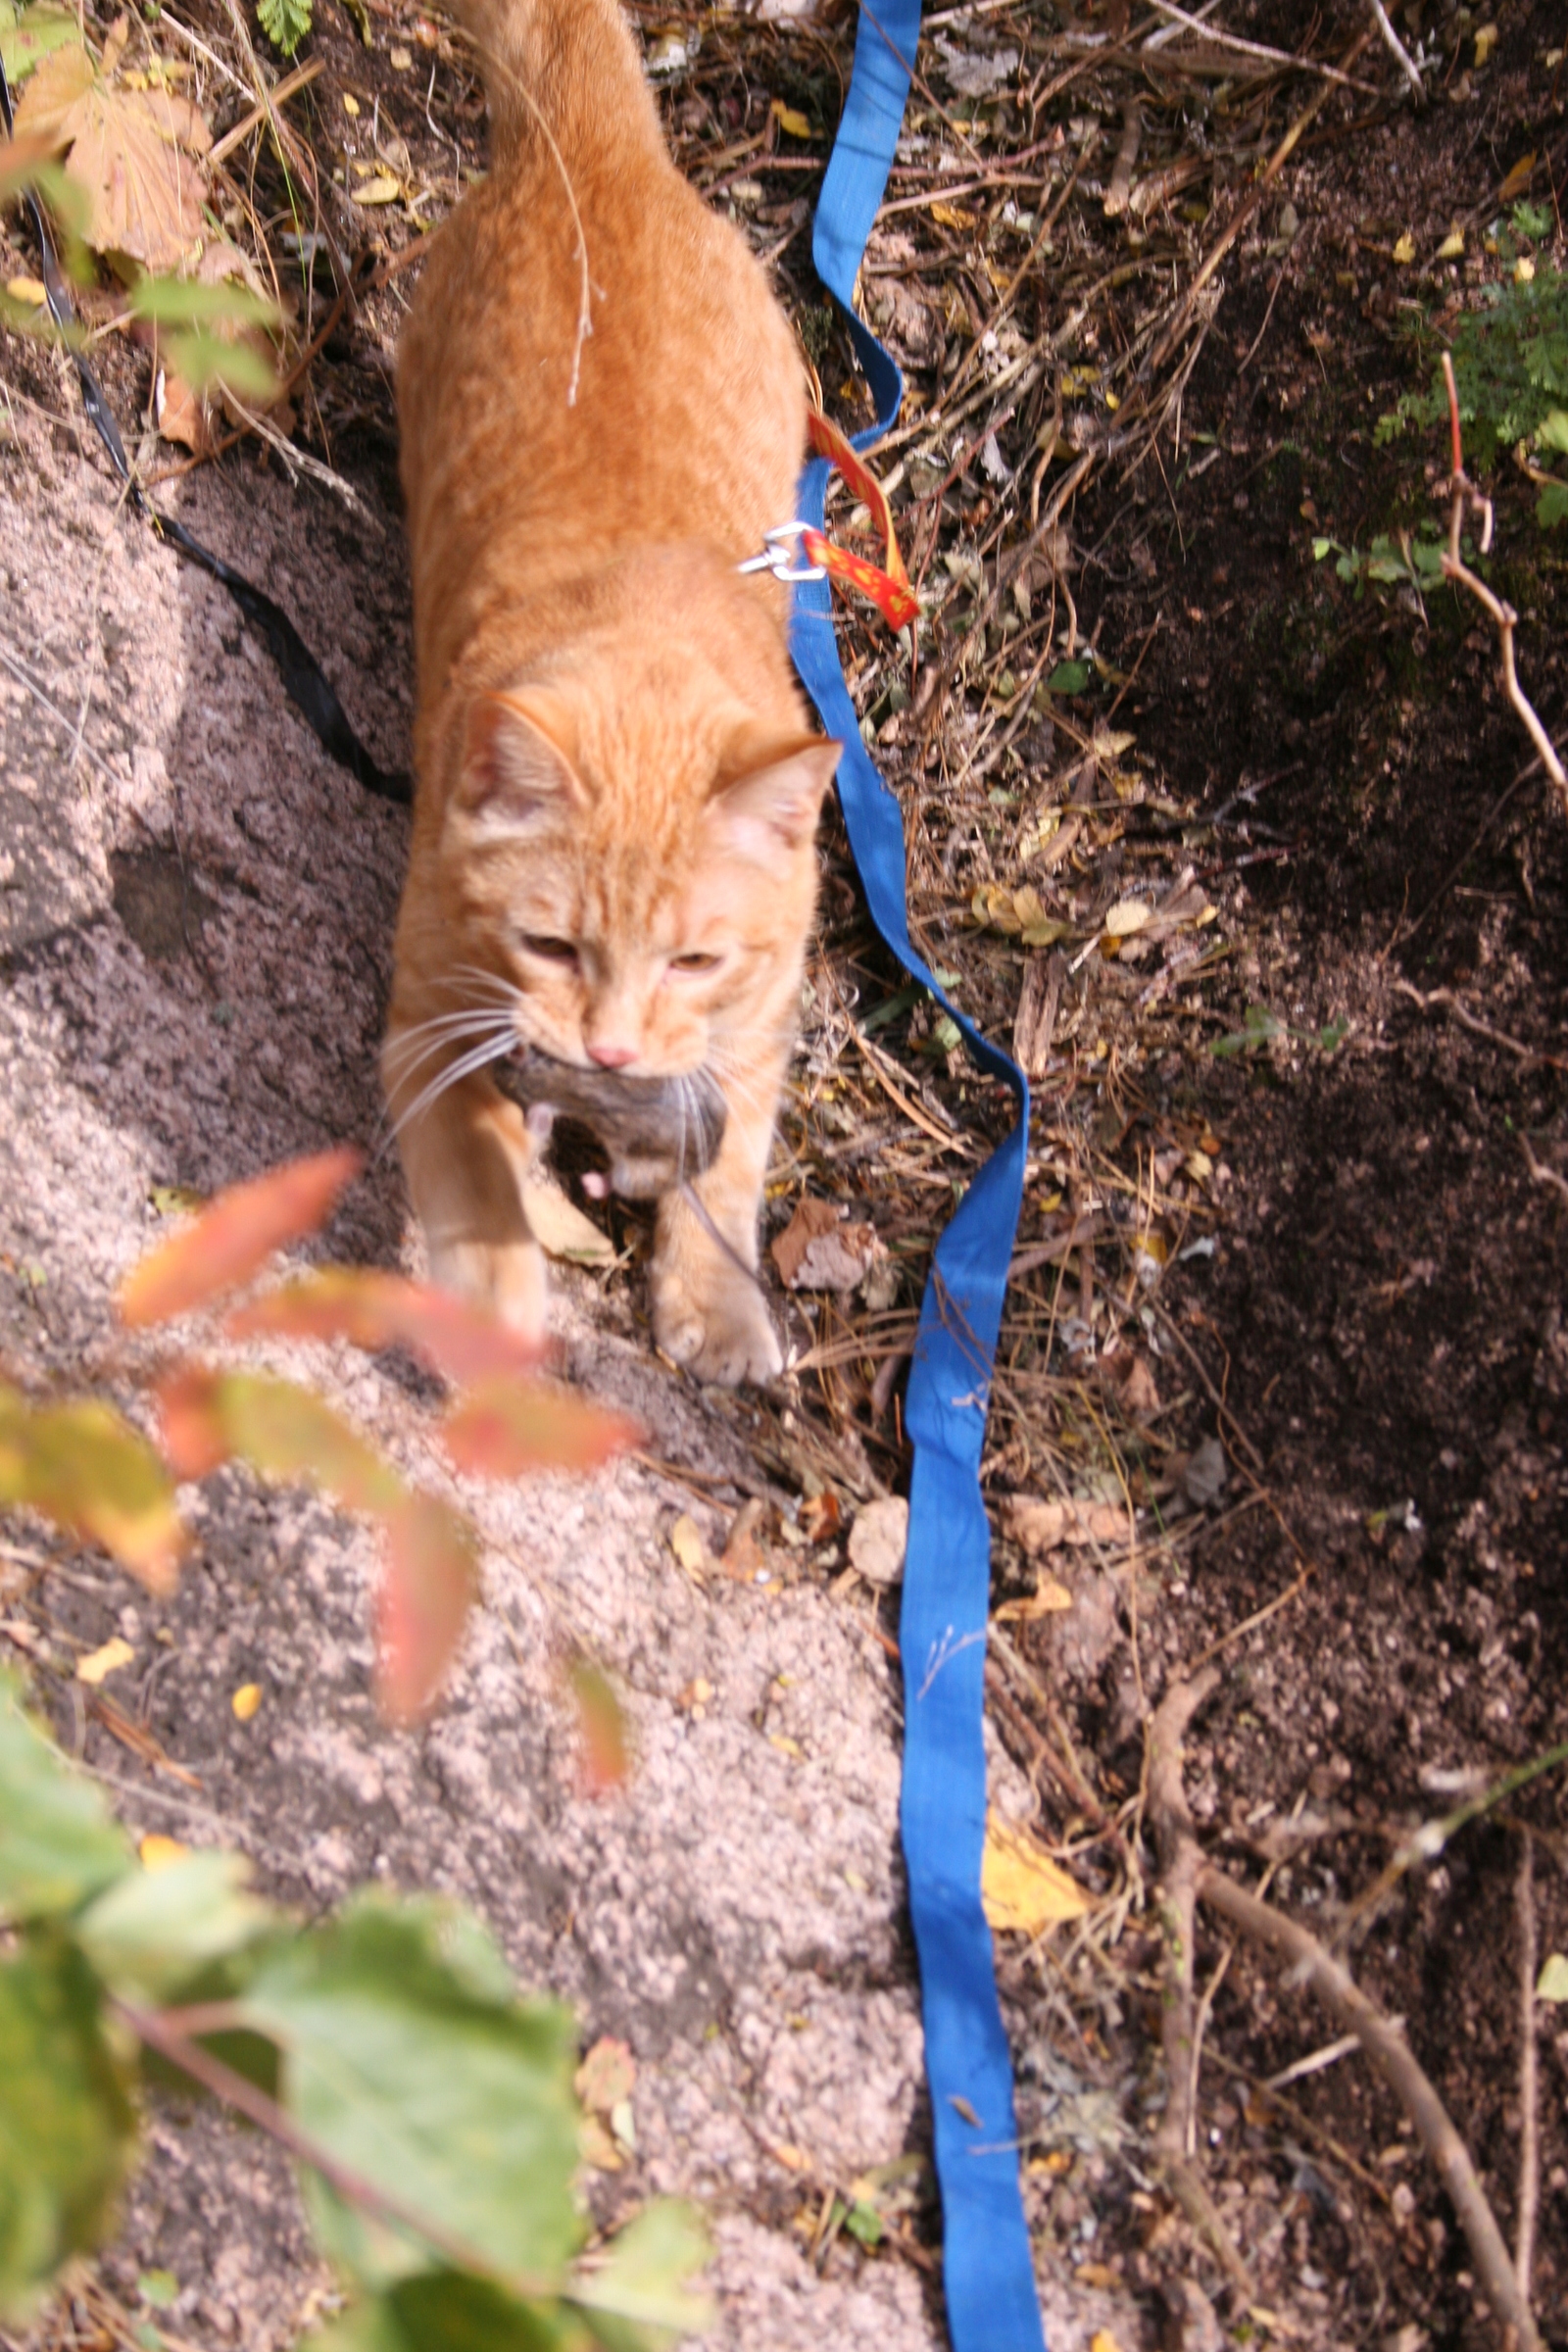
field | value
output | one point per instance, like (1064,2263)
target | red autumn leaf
(385,1310)
(235,1235)
(502,1428)
(428,1587)
(195,1440)
(602,1725)
(83,1466)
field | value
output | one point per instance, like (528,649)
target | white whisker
(464,1068)
(447,1026)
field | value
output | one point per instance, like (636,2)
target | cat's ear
(515,777)
(774,801)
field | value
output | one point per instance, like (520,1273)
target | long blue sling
(992,2303)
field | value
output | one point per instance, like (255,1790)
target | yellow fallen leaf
(790,118)
(1048,1600)
(686,1543)
(786,1746)
(1021,1890)
(245,1701)
(1453,246)
(156,1851)
(1127,916)
(26,289)
(1103,2341)
(1522,172)
(1524,269)
(793,2159)
(98,1663)
(382,188)
(176,1199)
(952,215)
(562,1229)
(1404,250)
(1199,1167)
(351,105)
(1486,42)
(399,60)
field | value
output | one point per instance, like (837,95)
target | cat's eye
(695,963)
(550,951)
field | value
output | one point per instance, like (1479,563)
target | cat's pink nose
(612,1056)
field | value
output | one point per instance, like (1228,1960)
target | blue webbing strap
(992,2304)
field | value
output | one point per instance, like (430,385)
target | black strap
(304,680)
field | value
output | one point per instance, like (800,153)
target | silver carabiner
(778,556)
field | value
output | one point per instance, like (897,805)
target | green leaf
(1552,431)
(286,23)
(1069,677)
(187,302)
(159,2289)
(645,2277)
(28,35)
(156,1929)
(867,2223)
(1553,1982)
(65,2124)
(1261,1027)
(1531,220)
(1322,547)
(57,1842)
(1551,506)
(206,360)
(403,2064)
(448,2311)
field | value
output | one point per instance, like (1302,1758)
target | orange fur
(613,854)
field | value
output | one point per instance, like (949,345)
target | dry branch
(1389,2052)
(1503,616)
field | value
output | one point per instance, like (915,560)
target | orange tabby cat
(612,854)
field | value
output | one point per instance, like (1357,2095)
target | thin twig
(1524,2256)
(1389,2052)
(1443,999)
(1503,616)
(1406,63)
(235,2091)
(1542,1173)
(1180,21)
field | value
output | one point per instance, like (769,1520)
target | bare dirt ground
(1297,1302)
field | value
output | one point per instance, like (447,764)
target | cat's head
(637,873)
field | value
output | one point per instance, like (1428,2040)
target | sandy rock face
(195,925)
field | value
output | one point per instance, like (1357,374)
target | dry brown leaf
(1041,1526)
(819,1251)
(180,416)
(879,1538)
(132,152)
(561,1229)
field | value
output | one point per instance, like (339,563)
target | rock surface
(195,917)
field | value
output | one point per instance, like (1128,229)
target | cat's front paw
(714,1320)
(507,1277)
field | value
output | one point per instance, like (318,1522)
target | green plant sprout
(1510,365)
